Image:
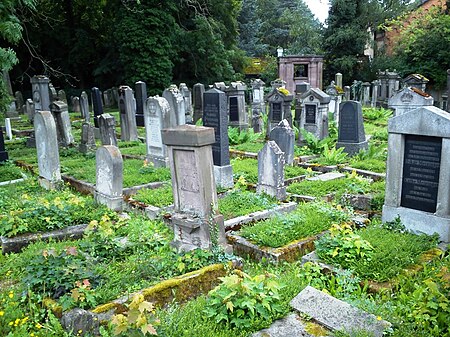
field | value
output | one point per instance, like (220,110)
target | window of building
(300,70)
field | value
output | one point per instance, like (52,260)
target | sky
(319,8)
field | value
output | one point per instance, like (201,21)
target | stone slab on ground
(327,176)
(289,326)
(335,314)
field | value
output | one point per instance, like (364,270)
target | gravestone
(375,93)
(47,150)
(347,92)
(62,96)
(187,96)
(220,85)
(271,171)
(215,116)
(63,126)
(366,94)
(97,104)
(351,135)
(335,100)
(258,105)
(87,143)
(176,103)
(3,152)
(29,109)
(418,171)
(109,177)
(314,118)
(53,93)
(416,81)
(284,136)
(236,105)
(407,99)
(19,101)
(338,80)
(107,131)
(75,104)
(8,128)
(84,107)
(40,93)
(156,118)
(128,128)
(195,221)
(106,99)
(279,101)
(197,94)
(300,89)
(141,98)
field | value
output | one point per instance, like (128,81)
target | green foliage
(331,156)
(315,145)
(237,202)
(81,296)
(159,197)
(241,299)
(236,136)
(9,171)
(377,114)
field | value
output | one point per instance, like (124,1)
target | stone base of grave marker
(114,203)
(50,184)
(277,192)
(223,175)
(158,161)
(353,148)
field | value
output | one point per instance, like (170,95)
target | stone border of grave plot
(22,133)
(16,243)
(360,202)
(152,212)
(325,169)
(180,289)
(252,155)
(15,181)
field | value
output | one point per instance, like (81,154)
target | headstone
(12,110)
(62,96)
(375,93)
(141,98)
(75,104)
(115,95)
(300,89)
(187,96)
(409,98)
(271,171)
(279,101)
(333,106)
(109,178)
(416,81)
(195,221)
(3,152)
(215,116)
(156,113)
(220,85)
(97,104)
(347,91)
(107,129)
(366,94)
(418,171)
(87,143)
(338,80)
(29,108)
(351,135)
(278,83)
(284,136)
(314,118)
(197,94)
(106,99)
(47,150)
(8,128)
(53,93)
(236,105)
(128,128)
(19,101)
(63,126)
(40,93)
(258,105)
(176,103)
(84,107)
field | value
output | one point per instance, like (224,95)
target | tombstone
(40,93)
(278,83)
(115,95)
(12,110)
(141,98)
(64,129)
(237,114)
(390,83)
(271,171)
(47,150)
(156,118)
(197,93)
(128,128)
(375,93)
(300,89)
(97,104)
(109,177)
(366,94)
(417,81)
(347,91)
(3,153)
(279,101)
(176,103)
(53,93)
(195,221)
(258,105)
(62,96)
(106,99)
(19,101)
(8,128)
(84,107)
(220,85)
(315,113)
(87,143)
(215,116)
(418,171)
(107,129)
(338,80)
(75,104)
(284,136)
(187,96)
(29,109)
(335,100)
(351,135)
(409,98)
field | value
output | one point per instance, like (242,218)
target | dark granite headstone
(421,167)
(234,109)
(215,116)
(197,96)
(3,153)
(276,112)
(97,104)
(141,97)
(310,113)
(348,124)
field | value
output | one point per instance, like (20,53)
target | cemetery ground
(380,268)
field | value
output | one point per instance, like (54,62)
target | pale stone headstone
(3,152)
(63,126)
(187,96)
(300,89)
(366,94)
(141,98)
(197,94)
(109,178)
(29,108)
(284,136)
(215,116)
(156,118)
(314,118)
(87,143)
(84,107)
(176,102)
(107,129)
(47,150)
(279,101)
(19,101)
(271,171)
(75,104)
(347,91)
(236,105)
(195,221)
(258,105)
(97,104)
(106,99)
(418,171)
(53,93)
(351,135)
(416,81)
(128,128)
(409,98)
(62,96)
(375,93)
(8,128)
(40,93)
(338,79)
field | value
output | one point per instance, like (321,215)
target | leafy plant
(82,296)
(236,136)
(376,114)
(237,202)
(240,300)
(331,156)
(9,171)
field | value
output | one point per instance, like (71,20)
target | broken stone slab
(288,326)
(335,314)
(327,176)
(77,320)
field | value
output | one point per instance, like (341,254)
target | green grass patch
(9,171)
(159,197)
(237,203)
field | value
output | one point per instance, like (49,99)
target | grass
(159,197)
(8,171)
(237,203)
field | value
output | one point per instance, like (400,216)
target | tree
(249,26)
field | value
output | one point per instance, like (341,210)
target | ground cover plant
(240,202)
(307,220)
(9,171)
(159,197)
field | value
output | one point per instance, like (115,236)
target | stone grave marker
(128,128)
(47,150)
(236,105)
(338,80)
(418,171)
(53,93)
(258,105)
(197,93)
(40,93)
(75,104)
(63,127)
(176,103)
(107,129)
(284,136)
(409,98)
(279,101)
(156,118)
(8,128)
(3,152)
(62,96)
(195,221)
(416,81)
(187,96)
(97,104)
(29,109)
(300,89)
(87,143)
(84,107)
(271,171)
(141,98)
(215,116)
(19,101)
(106,99)
(375,93)
(351,135)
(109,177)
(347,92)
(315,113)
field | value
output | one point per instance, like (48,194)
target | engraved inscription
(348,131)
(154,125)
(421,172)
(234,109)
(310,114)
(276,112)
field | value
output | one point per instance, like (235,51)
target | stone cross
(351,134)
(271,171)
(284,136)
(141,97)
(109,177)
(97,104)
(107,125)
(197,93)
(156,118)
(128,128)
